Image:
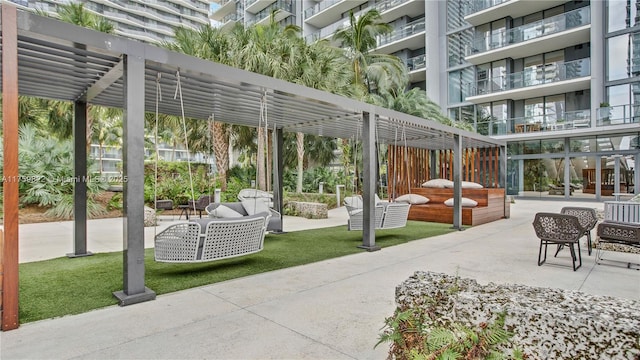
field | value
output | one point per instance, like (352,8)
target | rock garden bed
(515,321)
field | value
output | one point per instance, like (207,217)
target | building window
(623,56)
(622,14)
(460,83)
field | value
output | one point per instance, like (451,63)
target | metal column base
(457,228)
(124,299)
(74,255)
(370,248)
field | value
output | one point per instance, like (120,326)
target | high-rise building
(558,80)
(150,21)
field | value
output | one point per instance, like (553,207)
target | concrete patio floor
(332,309)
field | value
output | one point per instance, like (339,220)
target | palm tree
(107,131)
(371,71)
(413,102)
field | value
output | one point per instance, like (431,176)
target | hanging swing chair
(388,215)
(203,240)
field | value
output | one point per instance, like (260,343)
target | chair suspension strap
(186,140)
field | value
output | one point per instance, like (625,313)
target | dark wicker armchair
(200,204)
(587,218)
(558,229)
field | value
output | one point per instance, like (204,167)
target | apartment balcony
(156,4)
(389,11)
(557,78)
(327,12)
(618,115)
(557,32)
(393,9)
(417,66)
(480,12)
(283,10)
(229,21)
(411,36)
(255,6)
(537,124)
(226,7)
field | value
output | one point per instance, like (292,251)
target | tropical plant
(370,71)
(107,131)
(414,336)
(46,171)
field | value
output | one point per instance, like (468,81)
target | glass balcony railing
(569,120)
(309,12)
(410,29)
(552,25)
(386,5)
(618,115)
(266,12)
(474,6)
(231,17)
(417,62)
(328,31)
(532,77)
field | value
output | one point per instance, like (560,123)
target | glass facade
(622,14)
(623,56)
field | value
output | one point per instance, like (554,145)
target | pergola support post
(369,181)
(80,183)
(133,180)
(11,177)
(278,203)
(457,187)
(503,179)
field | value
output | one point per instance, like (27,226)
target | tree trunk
(100,155)
(89,129)
(300,148)
(260,169)
(221,151)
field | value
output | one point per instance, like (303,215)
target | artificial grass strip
(64,286)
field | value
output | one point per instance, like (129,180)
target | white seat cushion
(438,183)
(254,206)
(466,202)
(414,199)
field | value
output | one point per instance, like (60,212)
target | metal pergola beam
(104,83)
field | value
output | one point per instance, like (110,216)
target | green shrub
(47,177)
(115,203)
(174,182)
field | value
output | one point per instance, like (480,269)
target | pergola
(43,57)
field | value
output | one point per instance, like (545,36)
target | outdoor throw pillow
(414,199)
(254,206)
(466,202)
(438,183)
(470,185)
(225,212)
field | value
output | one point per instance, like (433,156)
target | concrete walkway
(332,309)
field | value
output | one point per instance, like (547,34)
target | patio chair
(588,220)
(558,229)
(201,204)
(165,205)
